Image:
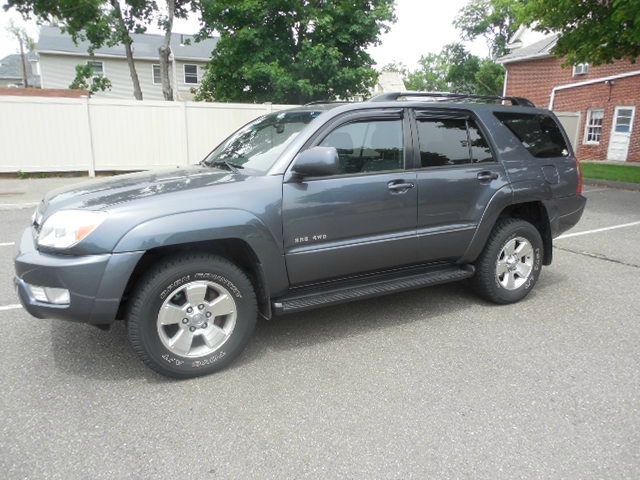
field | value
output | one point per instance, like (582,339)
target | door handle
(399,186)
(487,176)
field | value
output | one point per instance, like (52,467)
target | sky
(423,26)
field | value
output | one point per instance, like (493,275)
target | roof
(11,68)
(145,45)
(540,49)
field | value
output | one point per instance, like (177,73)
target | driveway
(431,383)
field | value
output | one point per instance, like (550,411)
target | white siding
(68,134)
(58,71)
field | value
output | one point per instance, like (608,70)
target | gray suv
(303,208)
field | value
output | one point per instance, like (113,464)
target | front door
(621,133)
(364,218)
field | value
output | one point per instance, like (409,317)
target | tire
(500,270)
(191,315)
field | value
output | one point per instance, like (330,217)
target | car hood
(121,189)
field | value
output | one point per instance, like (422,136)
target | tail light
(579,189)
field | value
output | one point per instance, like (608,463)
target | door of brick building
(621,133)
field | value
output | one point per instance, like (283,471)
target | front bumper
(95,282)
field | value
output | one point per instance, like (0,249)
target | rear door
(364,218)
(457,175)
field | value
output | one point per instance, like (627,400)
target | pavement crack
(597,256)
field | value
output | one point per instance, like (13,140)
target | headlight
(65,228)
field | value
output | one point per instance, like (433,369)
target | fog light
(59,296)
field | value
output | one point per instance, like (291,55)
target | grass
(616,173)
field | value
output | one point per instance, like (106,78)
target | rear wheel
(510,263)
(191,315)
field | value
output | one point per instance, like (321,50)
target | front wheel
(191,315)
(510,263)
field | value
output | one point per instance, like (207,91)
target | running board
(369,288)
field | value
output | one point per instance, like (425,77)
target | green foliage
(101,22)
(292,51)
(594,31)
(87,80)
(454,70)
(495,20)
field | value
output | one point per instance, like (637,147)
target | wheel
(509,265)
(191,315)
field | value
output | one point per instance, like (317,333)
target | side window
(368,146)
(443,142)
(480,151)
(539,134)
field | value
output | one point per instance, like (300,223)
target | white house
(58,56)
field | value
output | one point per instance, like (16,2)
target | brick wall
(535,79)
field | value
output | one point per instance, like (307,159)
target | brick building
(605,98)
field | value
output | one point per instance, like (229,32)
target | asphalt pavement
(433,383)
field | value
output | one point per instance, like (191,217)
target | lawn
(617,173)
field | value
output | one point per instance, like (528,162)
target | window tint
(480,151)
(443,142)
(368,146)
(539,134)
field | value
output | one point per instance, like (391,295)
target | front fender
(211,224)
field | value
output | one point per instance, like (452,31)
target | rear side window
(368,146)
(451,141)
(539,134)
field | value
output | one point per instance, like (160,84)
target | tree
(101,22)
(495,20)
(175,9)
(86,79)
(292,51)
(455,70)
(593,31)
(24,41)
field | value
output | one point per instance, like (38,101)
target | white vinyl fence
(68,134)
(571,122)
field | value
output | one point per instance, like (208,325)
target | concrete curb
(595,182)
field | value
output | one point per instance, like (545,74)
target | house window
(593,128)
(97,68)
(580,69)
(156,74)
(191,74)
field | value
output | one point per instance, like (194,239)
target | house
(11,70)
(605,98)
(58,56)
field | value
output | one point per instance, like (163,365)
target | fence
(68,134)
(571,123)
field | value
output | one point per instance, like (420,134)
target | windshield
(259,144)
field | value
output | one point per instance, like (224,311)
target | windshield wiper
(234,167)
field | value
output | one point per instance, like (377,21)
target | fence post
(185,130)
(268,106)
(92,157)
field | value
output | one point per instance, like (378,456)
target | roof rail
(322,102)
(393,96)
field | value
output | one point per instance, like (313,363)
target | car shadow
(85,351)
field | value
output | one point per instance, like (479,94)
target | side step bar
(367,289)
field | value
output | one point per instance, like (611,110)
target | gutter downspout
(588,82)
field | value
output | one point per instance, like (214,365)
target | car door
(364,218)
(457,175)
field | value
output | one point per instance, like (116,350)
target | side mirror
(317,162)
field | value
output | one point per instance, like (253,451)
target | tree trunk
(165,53)
(127,41)
(23,61)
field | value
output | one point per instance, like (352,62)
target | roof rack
(322,102)
(393,96)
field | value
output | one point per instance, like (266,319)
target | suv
(302,208)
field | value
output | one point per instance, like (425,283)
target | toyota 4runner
(302,208)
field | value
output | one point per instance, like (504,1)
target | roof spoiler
(393,96)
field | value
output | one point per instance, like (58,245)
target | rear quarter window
(538,133)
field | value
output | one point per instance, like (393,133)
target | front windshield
(259,144)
